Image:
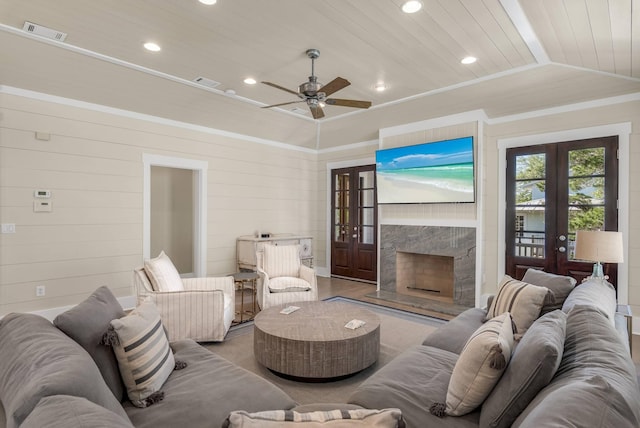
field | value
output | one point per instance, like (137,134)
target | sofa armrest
(309,275)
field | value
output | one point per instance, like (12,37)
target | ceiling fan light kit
(315,94)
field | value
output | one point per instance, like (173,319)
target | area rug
(399,330)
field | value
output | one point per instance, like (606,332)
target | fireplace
(425,275)
(431,262)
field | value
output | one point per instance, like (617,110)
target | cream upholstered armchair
(201,309)
(283,277)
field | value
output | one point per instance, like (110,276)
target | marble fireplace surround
(451,241)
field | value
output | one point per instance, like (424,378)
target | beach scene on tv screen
(440,172)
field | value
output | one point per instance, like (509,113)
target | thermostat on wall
(42,194)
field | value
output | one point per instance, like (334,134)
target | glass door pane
(530,205)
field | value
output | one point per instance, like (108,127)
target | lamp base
(597,271)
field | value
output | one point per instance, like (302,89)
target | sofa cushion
(285,284)
(385,418)
(412,381)
(86,323)
(559,285)
(206,391)
(594,292)
(142,349)
(162,274)
(38,360)
(453,335)
(596,383)
(281,260)
(532,366)
(522,300)
(64,411)
(480,366)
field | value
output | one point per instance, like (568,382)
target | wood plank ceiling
(417,56)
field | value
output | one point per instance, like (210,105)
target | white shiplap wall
(93,166)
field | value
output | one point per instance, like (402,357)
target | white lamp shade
(599,246)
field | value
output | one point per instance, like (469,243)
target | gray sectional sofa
(572,368)
(49,379)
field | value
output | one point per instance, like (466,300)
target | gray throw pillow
(559,285)
(597,293)
(533,364)
(86,323)
(64,411)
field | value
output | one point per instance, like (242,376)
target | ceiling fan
(315,94)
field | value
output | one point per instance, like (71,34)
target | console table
(248,246)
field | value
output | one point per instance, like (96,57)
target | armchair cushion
(163,274)
(285,284)
(281,260)
(143,353)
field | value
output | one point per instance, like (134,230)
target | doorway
(553,190)
(354,220)
(196,172)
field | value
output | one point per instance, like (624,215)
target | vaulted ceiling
(532,54)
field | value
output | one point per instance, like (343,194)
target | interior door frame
(622,130)
(326,271)
(199,169)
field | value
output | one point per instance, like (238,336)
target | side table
(244,279)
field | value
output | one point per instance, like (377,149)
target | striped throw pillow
(384,418)
(144,356)
(281,260)
(522,300)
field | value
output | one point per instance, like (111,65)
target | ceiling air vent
(39,30)
(206,82)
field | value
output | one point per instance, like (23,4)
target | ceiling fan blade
(281,88)
(316,111)
(347,103)
(283,104)
(334,86)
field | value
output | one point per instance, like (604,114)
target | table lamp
(599,246)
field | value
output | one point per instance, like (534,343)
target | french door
(552,191)
(354,219)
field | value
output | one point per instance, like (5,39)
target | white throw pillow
(482,362)
(285,284)
(163,274)
(144,356)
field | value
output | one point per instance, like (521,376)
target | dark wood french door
(553,190)
(354,219)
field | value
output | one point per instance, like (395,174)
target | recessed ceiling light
(250,81)
(153,47)
(208,2)
(469,60)
(380,87)
(412,6)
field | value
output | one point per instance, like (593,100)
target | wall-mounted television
(439,172)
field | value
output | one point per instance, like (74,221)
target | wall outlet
(8,228)
(40,290)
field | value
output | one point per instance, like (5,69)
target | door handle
(562,249)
